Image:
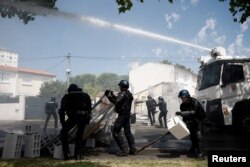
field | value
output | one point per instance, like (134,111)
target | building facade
(157,79)
(15,81)
(8,58)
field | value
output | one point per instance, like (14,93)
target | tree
(166,62)
(9,8)
(89,82)
(125,5)
(241,7)
(183,67)
(124,77)
(108,81)
(176,65)
(83,79)
(53,88)
(91,90)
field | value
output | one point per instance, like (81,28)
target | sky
(99,39)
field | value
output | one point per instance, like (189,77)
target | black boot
(66,157)
(132,151)
(165,123)
(78,157)
(160,121)
(201,156)
(191,151)
(121,153)
(78,151)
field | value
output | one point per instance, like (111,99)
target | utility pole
(68,70)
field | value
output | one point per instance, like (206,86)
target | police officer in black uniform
(163,111)
(50,109)
(151,106)
(123,102)
(193,114)
(77,106)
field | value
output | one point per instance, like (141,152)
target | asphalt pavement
(168,146)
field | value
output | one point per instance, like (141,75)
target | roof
(164,64)
(25,70)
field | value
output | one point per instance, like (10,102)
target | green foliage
(124,77)
(53,88)
(166,62)
(92,90)
(125,5)
(177,65)
(183,67)
(83,79)
(89,82)
(240,9)
(9,9)
(108,81)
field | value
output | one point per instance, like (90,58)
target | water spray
(98,22)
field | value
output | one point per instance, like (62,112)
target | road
(168,146)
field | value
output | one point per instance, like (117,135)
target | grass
(48,162)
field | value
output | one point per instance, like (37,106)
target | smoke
(97,22)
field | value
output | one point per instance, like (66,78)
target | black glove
(178,113)
(111,93)
(107,92)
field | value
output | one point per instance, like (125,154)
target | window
(232,73)
(209,76)
(4,77)
(26,80)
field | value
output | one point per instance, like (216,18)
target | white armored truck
(223,89)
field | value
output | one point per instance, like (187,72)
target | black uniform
(123,104)
(77,106)
(151,106)
(193,114)
(50,109)
(163,113)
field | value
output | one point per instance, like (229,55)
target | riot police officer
(163,112)
(123,102)
(50,109)
(77,106)
(193,114)
(151,106)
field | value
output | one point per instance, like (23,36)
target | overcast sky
(99,39)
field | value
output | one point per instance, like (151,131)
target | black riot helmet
(72,87)
(184,93)
(160,98)
(124,84)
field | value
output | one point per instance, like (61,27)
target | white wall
(13,111)
(8,84)
(18,83)
(169,91)
(149,75)
(8,58)
(29,84)
(187,79)
(158,79)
